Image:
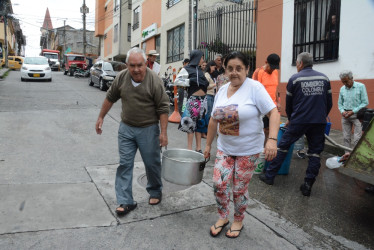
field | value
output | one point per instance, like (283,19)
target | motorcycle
(169,86)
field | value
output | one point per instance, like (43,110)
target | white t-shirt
(239,117)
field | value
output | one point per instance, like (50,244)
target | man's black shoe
(306,188)
(370,189)
(266,180)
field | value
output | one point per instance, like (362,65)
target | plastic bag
(333,162)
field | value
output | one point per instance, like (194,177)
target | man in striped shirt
(352,98)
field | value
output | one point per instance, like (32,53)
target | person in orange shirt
(268,76)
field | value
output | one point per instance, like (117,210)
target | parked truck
(53,58)
(72,62)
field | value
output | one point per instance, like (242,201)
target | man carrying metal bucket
(308,103)
(145,107)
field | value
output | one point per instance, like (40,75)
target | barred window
(171,3)
(115,37)
(175,44)
(316,29)
(136,18)
(129,32)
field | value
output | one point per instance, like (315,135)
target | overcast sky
(31,15)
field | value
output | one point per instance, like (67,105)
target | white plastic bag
(333,162)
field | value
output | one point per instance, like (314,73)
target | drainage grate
(168,187)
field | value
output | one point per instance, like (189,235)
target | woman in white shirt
(237,110)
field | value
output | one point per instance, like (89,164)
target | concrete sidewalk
(3,71)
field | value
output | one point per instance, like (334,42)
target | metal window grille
(136,18)
(229,28)
(316,29)
(171,3)
(115,37)
(175,44)
(129,32)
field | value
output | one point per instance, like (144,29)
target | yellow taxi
(14,62)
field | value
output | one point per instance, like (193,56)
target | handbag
(182,79)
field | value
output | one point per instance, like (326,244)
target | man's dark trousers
(315,134)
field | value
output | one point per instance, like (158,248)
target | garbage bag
(333,162)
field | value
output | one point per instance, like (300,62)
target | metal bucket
(182,166)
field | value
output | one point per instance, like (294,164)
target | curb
(3,71)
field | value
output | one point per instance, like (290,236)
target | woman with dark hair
(192,121)
(238,108)
(210,68)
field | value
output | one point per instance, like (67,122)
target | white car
(36,68)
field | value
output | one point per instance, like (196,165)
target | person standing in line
(151,61)
(145,108)
(268,76)
(211,67)
(203,66)
(308,103)
(352,98)
(237,111)
(181,90)
(196,105)
(222,79)
(219,67)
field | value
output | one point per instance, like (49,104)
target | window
(116,5)
(129,4)
(136,18)
(115,36)
(316,29)
(129,32)
(175,44)
(171,3)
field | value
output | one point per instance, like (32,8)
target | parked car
(102,73)
(72,62)
(36,67)
(14,62)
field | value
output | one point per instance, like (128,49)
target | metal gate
(229,28)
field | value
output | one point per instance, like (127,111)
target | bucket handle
(202,165)
(166,148)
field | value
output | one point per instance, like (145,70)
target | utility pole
(63,47)
(84,10)
(5,38)
(195,24)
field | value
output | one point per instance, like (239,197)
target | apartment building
(113,28)
(290,27)
(15,40)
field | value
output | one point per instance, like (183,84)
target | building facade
(290,27)
(113,28)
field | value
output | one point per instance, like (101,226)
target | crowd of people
(241,113)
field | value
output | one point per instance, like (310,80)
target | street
(57,186)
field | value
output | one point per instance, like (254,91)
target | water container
(287,161)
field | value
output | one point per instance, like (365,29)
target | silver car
(102,73)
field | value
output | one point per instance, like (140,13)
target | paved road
(57,177)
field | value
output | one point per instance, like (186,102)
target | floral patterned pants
(239,169)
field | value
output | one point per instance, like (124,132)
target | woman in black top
(193,119)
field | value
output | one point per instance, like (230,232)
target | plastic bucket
(287,161)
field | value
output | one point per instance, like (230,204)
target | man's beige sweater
(141,105)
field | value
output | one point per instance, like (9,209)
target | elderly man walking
(308,102)
(145,108)
(352,98)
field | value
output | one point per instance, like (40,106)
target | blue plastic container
(287,162)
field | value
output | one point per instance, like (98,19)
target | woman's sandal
(231,231)
(126,209)
(222,227)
